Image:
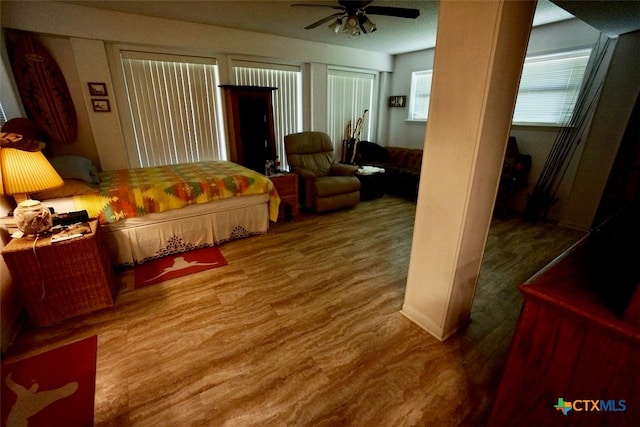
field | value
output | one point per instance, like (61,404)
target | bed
(148,213)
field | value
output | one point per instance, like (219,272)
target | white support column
(480,49)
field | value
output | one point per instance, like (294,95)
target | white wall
(79,38)
(404,133)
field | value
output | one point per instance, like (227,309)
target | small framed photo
(97,89)
(101,105)
(397,101)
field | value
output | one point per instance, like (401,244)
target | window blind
(350,93)
(420,94)
(3,117)
(174,104)
(549,87)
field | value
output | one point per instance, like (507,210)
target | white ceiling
(393,36)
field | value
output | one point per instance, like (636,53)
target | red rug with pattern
(54,388)
(178,265)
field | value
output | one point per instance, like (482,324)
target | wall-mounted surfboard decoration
(42,87)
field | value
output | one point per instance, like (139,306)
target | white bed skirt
(136,240)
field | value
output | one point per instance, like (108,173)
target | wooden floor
(302,328)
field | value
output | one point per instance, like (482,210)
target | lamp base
(33,218)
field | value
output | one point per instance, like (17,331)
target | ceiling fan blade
(400,12)
(354,5)
(322,21)
(332,6)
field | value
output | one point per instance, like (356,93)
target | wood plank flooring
(302,328)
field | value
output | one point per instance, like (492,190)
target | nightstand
(287,186)
(63,279)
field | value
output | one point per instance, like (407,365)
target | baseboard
(428,325)
(422,321)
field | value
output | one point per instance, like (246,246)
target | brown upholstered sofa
(402,166)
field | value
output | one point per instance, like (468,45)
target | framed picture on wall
(397,101)
(101,105)
(97,89)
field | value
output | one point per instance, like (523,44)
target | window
(174,104)
(549,87)
(3,117)
(420,95)
(350,94)
(287,100)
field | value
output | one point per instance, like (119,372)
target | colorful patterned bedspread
(136,192)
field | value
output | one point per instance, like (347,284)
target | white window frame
(420,88)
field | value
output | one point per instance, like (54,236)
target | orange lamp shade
(24,172)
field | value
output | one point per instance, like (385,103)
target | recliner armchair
(324,183)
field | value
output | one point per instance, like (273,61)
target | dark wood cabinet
(250,128)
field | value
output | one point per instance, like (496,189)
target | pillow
(75,167)
(71,187)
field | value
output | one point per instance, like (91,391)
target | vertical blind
(287,100)
(549,87)
(174,105)
(350,93)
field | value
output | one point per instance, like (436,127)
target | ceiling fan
(352,18)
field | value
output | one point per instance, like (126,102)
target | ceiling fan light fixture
(366,25)
(336,25)
(352,18)
(352,26)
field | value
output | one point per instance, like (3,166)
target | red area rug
(55,388)
(178,265)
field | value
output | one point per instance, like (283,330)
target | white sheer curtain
(287,100)
(174,103)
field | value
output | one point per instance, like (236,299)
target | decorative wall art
(42,87)
(97,89)
(101,105)
(397,101)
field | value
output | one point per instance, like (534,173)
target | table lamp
(24,172)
